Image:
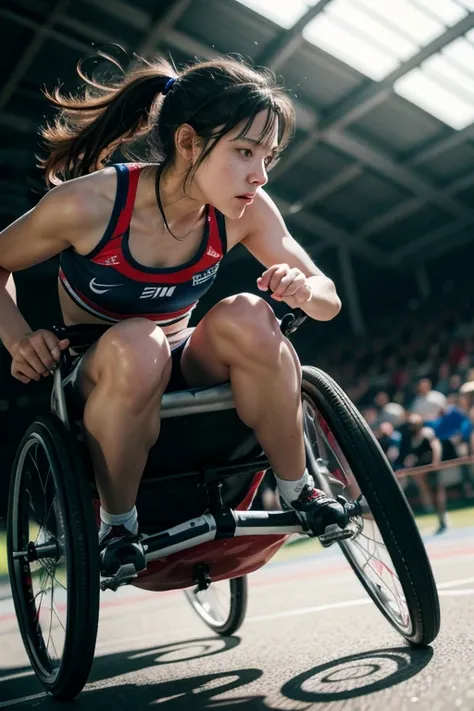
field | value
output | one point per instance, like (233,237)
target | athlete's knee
(248,324)
(135,357)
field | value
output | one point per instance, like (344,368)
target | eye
(246,152)
(269,161)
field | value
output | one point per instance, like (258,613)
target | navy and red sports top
(110,284)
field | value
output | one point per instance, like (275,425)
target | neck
(177,204)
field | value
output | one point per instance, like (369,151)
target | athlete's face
(237,167)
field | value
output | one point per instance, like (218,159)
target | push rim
(366,551)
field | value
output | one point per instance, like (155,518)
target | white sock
(128,519)
(290,490)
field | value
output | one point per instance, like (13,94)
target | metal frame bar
(205,528)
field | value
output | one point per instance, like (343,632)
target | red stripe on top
(123,221)
(112,255)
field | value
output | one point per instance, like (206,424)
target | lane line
(455,583)
(456,593)
(6,704)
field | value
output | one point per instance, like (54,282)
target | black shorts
(176,381)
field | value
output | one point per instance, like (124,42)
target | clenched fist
(287,284)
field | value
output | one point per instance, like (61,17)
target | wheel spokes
(366,549)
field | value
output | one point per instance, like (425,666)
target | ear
(186,141)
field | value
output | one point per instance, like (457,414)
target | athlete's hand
(36,355)
(287,284)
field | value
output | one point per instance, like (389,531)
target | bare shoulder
(261,213)
(80,205)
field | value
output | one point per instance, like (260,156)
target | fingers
(263,282)
(285,282)
(37,356)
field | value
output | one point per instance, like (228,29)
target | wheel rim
(41,584)
(366,550)
(214,604)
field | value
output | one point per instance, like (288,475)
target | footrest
(333,533)
(124,575)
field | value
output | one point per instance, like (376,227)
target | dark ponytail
(89,128)
(213,97)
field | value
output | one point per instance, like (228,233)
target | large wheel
(53,557)
(386,551)
(222,606)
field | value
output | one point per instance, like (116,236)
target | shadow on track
(357,675)
(344,678)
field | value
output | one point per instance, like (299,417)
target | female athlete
(140,244)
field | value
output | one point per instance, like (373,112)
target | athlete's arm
(268,239)
(46,230)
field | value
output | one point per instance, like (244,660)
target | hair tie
(168,85)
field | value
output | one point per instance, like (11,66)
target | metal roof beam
(437,251)
(438,147)
(17,122)
(324,189)
(362,101)
(164,25)
(134,16)
(426,243)
(31,50)
(330,233)
(405,209)
(287,41)
(398,173)
(70,42)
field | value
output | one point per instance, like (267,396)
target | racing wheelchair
(198,528)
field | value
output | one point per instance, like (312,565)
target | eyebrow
(256,143)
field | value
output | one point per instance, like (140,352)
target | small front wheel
(222,606)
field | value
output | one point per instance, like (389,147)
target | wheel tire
(237,611)
(387,503)
(82,559)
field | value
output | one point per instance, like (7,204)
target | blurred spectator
(420,446)
(427,402)
(389,440)
(442,384)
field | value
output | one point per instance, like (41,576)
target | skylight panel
(374,29)
(367,58)
(406,17)
(448,11)
(426,93)
(461,51)
(283,12)
(439,68)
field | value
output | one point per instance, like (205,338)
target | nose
(259,176)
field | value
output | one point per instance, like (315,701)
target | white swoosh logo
(93,287)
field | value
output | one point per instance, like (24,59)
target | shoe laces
(310,493)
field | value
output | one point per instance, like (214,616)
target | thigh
(133,354)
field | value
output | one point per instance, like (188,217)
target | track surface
(311,640)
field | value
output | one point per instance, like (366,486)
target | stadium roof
(382,165)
